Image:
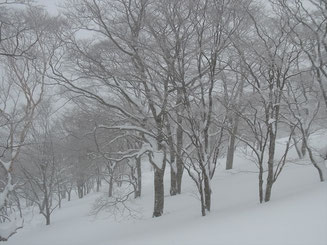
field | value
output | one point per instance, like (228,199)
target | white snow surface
(296,214)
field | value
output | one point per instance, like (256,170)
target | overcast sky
(50,5)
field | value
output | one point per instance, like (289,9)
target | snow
(6,165)
(173,165)
(271,120)
(318,143)
(156,154)
(145,148)
(297,214)
(7,189)
(6,229)
(158,158)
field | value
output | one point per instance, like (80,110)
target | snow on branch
(6,165)
(4,194)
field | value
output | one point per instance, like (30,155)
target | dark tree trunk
(111,183)
(173,174)
(59,200)
(179,178)
(230,152)
(139,177)
(158,192)
(47,211)
(207,192)
(98,184)
(59,194)
(47,219)
(179,159)
(322,171)
(80,191)
(298,151)
(231,146)
(173,181)
(301,151)
(69,195)
(159,172)
(303,148)
(271,155)
(172,161)
(202,199)
(260,182)
(98,179)
(179,141)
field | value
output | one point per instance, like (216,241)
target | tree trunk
(322,170)
(173,181)
(268,190)
(202,199)
(303,148)
(59,196)
(111,183)
(271,155)
(80,191)
(139,177)
(231,146)
(69,195)
(159,172)
(179,159)
(301,151)
(179,141)
(59,200)
(298,150)
(230,152)
(47,211)
(320,166)
(47,219)
(98,184)
(207,192)
(172,161)
(179,177)
(158,192)
(260,182)
(173,173)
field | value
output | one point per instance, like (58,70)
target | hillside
(297,214)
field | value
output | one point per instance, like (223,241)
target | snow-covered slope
(297,214)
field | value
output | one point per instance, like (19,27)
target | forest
(109,97)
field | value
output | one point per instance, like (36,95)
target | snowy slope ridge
(297,214)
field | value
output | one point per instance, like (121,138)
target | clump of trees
(172,83)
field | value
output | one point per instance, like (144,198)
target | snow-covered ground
(297,214)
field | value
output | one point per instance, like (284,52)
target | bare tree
(14,30)
(304,109)
(307,24)
(202,120)
(270,65)
(40,174)
(123,68)
(25,47)
(308,27)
